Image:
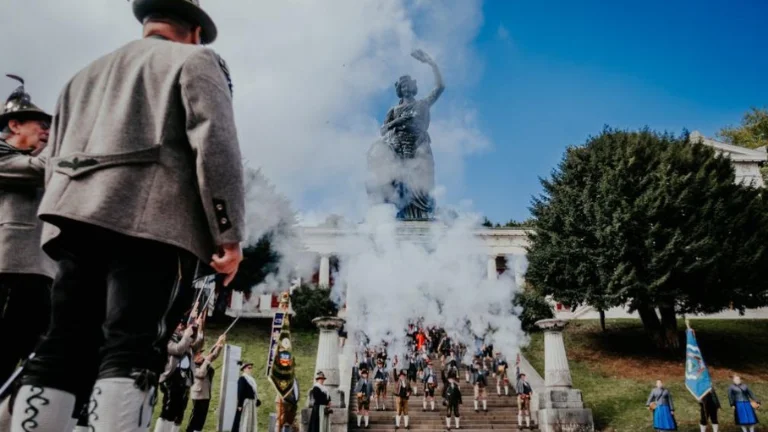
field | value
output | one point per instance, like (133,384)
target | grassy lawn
(253,337)
(616,370)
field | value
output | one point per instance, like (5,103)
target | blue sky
(554,73)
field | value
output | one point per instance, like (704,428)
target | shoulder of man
(205,59)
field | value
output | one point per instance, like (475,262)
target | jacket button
(223,221)
(219,207)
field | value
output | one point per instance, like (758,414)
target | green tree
(534,307)
(753,131)
(650,221)
(310,302)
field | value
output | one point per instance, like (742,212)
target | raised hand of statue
(422,57)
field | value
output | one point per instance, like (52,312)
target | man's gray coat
(144,144)
(21,188)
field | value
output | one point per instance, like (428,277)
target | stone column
(325,271)
(492,273)
(557,373)
(328,362)
(328,350)
(560,407)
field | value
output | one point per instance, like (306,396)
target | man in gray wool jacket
(144,178)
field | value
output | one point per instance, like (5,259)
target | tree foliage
(310,302)
(651,221)
(753,131)
(534,308)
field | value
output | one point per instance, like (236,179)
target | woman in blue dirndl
(741,398)
(660,402)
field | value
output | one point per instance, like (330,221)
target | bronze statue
(401,166)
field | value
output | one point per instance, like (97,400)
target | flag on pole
(697,379)
(281,370)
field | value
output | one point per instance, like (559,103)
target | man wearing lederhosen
(402,394)
(179,376)
(452,401)
(380,379)
(500,367)
(429,379)
(363,391)
(144,178)
(480,382)
(26,272)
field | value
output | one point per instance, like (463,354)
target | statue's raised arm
(439,86)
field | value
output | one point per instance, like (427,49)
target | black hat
(244,365)
(19,106)
(319,376)
(188,10)
(402,372)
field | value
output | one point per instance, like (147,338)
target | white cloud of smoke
(390,276)
(310,80)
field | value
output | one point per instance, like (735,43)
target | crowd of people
(413,373)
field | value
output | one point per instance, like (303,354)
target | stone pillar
(557,373)
(561,407)
(328,350)
(325,271)
(492,272)
(328,362)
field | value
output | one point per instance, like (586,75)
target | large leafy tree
(753,131)
(651,221)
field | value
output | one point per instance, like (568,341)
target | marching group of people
(108,206)
(740,398)
(414,373)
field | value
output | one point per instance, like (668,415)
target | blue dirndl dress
(663,419)
(744,414)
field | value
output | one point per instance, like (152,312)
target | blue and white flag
(697,379)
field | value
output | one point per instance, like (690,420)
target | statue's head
(406,87)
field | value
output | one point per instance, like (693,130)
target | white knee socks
(5,416)
(397,421)
(715,427)
(448,422)
(120,406)
(41,409)
(366,420)
(506,390)
(406,421)
(528,421)
(485,405)
(359,417)
(456,419)
(432,404)
(519,420)
(475,405)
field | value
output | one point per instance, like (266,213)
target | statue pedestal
(560,407)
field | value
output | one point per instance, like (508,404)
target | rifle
(226,331)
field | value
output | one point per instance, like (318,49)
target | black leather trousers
(115,302)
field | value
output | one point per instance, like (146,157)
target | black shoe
(485,410)
(477,411)
(423,410)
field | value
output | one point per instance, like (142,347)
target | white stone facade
(746,162)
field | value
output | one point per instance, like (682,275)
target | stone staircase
(501,415)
